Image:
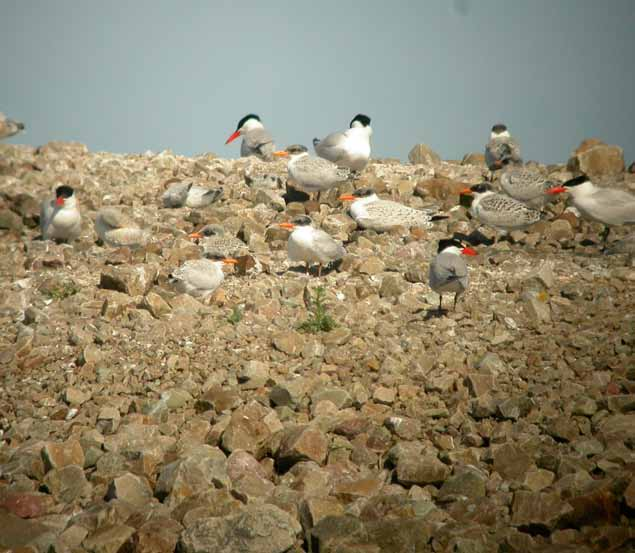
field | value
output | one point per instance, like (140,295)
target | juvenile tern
(369,212)
(60,218)
(199,277)
(310,245)
(256,140)
(216,243)
(526,184)
(350,148)
(116,229)
(501,147)
(448,270)
(190,195)
(312,174)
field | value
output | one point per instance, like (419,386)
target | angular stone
(537,307)
(416,466)
(466,482)
(479,383)
(158,535)
(156,305)
(289,342)
(302,443)
(58,455)
(130,488)
(338,396)
(21,533)
(511,461)
(371,266)
(108,420)
(563,428)
(314,509)
(132,280)
(108,539)
(67,484)
(75,396)
(597,159)
(253,374)
(218,398)
(422,154)
(247,429)
(560,229)
(384,395)
(27,504)
(392,286)
(544,509)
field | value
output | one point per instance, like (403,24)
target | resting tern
(499,210)
(256,140)
(312,174)
(116,229)
(350,148)
(199,277)
(448,270)
(9,127)
(526,184)
(604,205)
(501,147)
(59,216)
(218,244)
(190,195)
(369,212)
(311,245)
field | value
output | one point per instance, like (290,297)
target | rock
(537,307)
(130,488)
(258,529)
(158,535)
(371,266)
(558,230)
(108,420)
(67,484)
(59,455)
(10,221)
(156,305)
(511,461)
(414,466)
(465,482)
(18,533)
(249,428)
(314,509)
(384,395)
(302,443)
(540,509)
(597,159)
(253,374)
(473,159)
(27,504)
(132,280)
(422,154)
(75,397)
(392,286)
(108,539)
(289,342)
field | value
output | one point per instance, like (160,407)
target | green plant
(62,290)
(319,320)
(236,315)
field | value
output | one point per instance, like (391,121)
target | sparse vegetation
(62,290)
(236,315)
(319,320)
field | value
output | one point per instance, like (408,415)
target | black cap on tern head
(499,127)
(296,149)
(576,181)
(447,242)
(361,118)
(363,192)
(247,118)
(302,221)
(64,191)
(480,188)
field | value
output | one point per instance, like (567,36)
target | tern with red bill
(349,148)
(256,140)
(311,245)
(312,174)
(60,218)
(527,184)
(500,148)
(199,277)
(9,127)
(369,212)
(500,211)
(603,205)
(448,270)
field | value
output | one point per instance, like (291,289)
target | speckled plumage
(526,184)
(315,174)
(216,243)
(501,147)
(503,212)
(372,213)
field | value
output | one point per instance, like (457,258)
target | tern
(199,277)
(9,127)
(216,243)
(256,140)
(526,184)
(369,212)
(448,270)
(312,174)
(118,230)
(603,205)
(500,211)
(60,218)
(311,245)
(501,147)
(350,148)
(190,195)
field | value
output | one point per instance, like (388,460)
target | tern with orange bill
(311,245)
(60,218)
(199,277)
(312,174)
(256,139)
(349,148)
(499,211)
(216,242)
(448,270)
(370,212)
(608,206)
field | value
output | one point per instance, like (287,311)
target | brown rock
(543,509)
(597,159)
(511,461)
(301,443)
(132,280)
(27,504)
(108,539)
(67,484)
(58,455)
(130,488)
(422,154)
(158,535)
(289,342)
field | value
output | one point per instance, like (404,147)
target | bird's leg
(306,268)
(605,233)
(456,297)
(440,303)
(319,270)
(317,199)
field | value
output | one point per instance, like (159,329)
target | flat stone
(67,484)
(544,509)
(158,535)
(301,443)
(466,482)
(511,461)
(130,488)
(108,539)
(59,455)
(289,342)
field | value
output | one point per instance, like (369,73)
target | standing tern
(369,212)
(256,140)
(603,205)
(501,147)
(216,243)
(312,174)
(350,148)
(526,184)
(448,270)
(116,229)
(9,127)
(499,210)
(190,195)
(311,245)
(59,216)
(199,277)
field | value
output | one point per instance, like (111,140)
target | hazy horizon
(159,75)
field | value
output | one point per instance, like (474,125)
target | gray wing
(499,150)
(617,205)
(327,247)
(446,268)
(503,211)
(260,141)
(176,195)
(46,212)
(330,146)
(320,171)
(394,213)
(523,183)
(201,274)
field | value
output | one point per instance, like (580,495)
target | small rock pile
(133,419)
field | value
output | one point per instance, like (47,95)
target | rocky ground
(137,420)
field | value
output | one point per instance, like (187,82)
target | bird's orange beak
(556,190)
(288,226)
(281,153)
(469,251)
(195,235)
(230,261)
(466,191)
(233,137)
(59,201)
(347,198)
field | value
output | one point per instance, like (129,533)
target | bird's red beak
(233,137)
(347,198)
(59,201)
(195,235)
(466,191)
(230,261)
(281,153)
(556,190)
(469,251)
(288,226)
